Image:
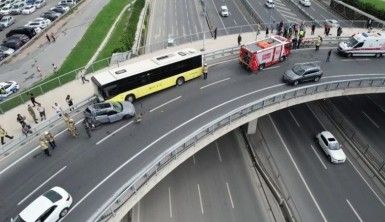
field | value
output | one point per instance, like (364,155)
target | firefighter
(72,128)
(51,140)
(205,70)
(66,118)
(44,145)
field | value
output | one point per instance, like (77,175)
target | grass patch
(373,7)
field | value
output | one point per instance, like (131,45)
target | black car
(2,56)
(302,73)
(28,31)
(51,15)
(13,43)
(21,37)
(58,10)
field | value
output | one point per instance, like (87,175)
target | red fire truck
(261,54)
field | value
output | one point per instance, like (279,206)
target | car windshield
(298,70)
(118,107)
(334,146)
(7,85)
(18,219)
(351,42)
(53,196)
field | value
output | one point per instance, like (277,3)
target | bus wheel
(180,81)
(282,58)
(261,67)
(130,98)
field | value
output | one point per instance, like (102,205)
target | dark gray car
(109,112)
(302,73)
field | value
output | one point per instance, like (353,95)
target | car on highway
(17,7)
(29,9)
(49,207)
(6,10)
(302,73)
(40,3)
(331,147)
(30,32)
(306,3)
(269,3)
(224,11)
(7,21)
(109,112)
(8,88)
(6,51)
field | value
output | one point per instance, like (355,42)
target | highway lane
(334,186)
(320,12)
(93,183)
(366,117)
(226,191)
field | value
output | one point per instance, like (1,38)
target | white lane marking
(299,172)
(41,185)
(295,120)
(216,82)
(367,183)
(272,67)
(371,120)
(374,102)
(113,133)
(194,159)
(311,62)
(354,60)
(170,101)
(354,210)
(169,200)
(219,153)
(200,199)
(33,150)
(229,193)
(315,152)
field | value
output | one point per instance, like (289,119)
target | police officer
(44,145)
(205,70)
(87,126)
(72,128)
(51,140)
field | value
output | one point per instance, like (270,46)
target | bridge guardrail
(128,190)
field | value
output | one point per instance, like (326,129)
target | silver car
(109,112)
(302,73)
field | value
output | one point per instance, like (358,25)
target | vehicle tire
(316,79)
(261,67)
(349,55)
(282,58)
(295,82)
(130,98)
(180,81)
(63,212)
(330,158)
(126,116)
(377,55)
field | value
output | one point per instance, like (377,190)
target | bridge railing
(128,190)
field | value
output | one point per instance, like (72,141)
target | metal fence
(171,154)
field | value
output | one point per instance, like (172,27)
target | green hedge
(373,7)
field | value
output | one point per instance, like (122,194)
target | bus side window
(359,45)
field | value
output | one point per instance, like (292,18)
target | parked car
(2,57)
(8,88)
(51,15)
(13,43)
(21,37)
(224,11)
(30,32)
(38,26)
(108,112)
(45,21)
(331,147)
(49,207)
(305,3)
(60,9)
(302,73)
(6,10)
(40,3)
(17,8)
(7,21)
(30,2)
(29,9)
(71,2)
(6,51)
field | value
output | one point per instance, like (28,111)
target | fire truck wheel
(316,79)
(282,58)
(180,81)
(378,55)
(261,67)
(295,82)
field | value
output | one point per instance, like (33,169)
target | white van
(363,44)
(269,3)
(224,11)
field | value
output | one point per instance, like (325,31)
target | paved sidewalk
(79,91)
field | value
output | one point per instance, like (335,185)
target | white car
(332,23)
(7,21)
(45,21)
(5,50)
(28,9)
(6,9)
(49,207)
(39,24)
(305,3)
(331,147)
(8,88)
(17,7)
(40,3)
(224,11)
(269,3)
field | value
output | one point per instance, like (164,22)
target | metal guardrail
(167,157)
(40,128)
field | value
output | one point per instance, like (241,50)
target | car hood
(338,154)
(291,75)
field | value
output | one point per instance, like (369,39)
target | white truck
(363,44)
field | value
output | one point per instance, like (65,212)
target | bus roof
(110,75)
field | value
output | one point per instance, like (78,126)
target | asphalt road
(225,193)
(94,168)
(340,192)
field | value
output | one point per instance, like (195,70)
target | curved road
(92,169)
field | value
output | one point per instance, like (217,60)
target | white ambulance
(363,44)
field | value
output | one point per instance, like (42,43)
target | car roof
(35,209)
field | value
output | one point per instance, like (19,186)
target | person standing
(58,109)
(20,119)
(25,129)
(339,31)
(3,134)
(312,29)
(239,39)
(39,71)
(294,42)
(215,33)
(47,36)
(369,24)
(205,71)
(54,67)
(70,102)
(267,32)
(83,78)
(53,37)
(72,128)
(32,113)
(41,111)
(44,146)
(317,43)
(87,126)
(33,99)
(299,42)
(329,54)
(50,138)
